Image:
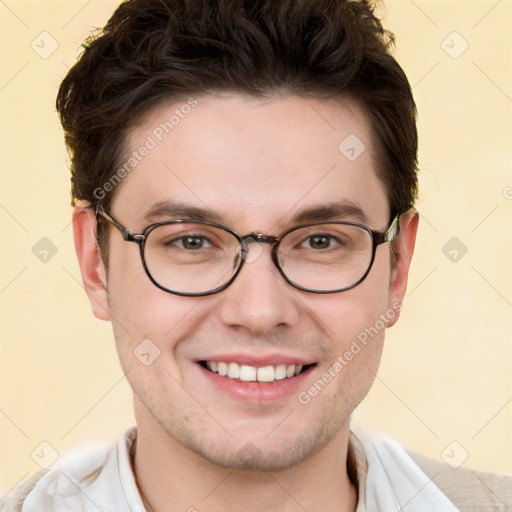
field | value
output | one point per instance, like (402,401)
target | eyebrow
(342,209)
(169,209)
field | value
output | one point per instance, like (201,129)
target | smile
(270,373)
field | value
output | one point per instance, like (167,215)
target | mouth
(245,373)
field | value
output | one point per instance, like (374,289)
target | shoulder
(58,488)
(96,474)
(47,488)
(469,490)
(14,502)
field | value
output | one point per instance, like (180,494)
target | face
(253,165)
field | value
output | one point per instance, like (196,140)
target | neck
(172,478)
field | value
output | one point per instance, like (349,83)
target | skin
(254,163)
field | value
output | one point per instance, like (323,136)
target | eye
(191,242)
(320,241)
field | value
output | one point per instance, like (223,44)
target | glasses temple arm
(124,231)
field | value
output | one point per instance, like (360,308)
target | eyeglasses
(197,258)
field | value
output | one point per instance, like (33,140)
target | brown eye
(193,242)
(319,242)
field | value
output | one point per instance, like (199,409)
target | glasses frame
(378,238)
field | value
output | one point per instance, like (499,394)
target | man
(244,175)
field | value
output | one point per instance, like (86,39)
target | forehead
(251,160)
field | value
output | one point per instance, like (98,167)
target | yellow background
(447,366)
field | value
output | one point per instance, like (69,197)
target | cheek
(355,322)
(148,320)
(140,310)
(348,315)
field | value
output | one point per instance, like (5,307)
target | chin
(254,452)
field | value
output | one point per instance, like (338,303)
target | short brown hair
(156,50)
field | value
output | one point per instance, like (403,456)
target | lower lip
(257,392)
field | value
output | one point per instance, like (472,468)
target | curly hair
(155,50)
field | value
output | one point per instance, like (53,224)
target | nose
(259,300)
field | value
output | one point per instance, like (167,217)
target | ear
(93,272)
(404,251)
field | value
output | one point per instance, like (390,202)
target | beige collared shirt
(469,490)
(105,481)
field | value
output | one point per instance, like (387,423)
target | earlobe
(404,251)
(92,268)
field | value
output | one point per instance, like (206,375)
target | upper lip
(258,361)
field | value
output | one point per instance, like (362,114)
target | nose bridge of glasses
(255,239)
(258,238)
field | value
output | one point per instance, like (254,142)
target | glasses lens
(195,258)
(191,257)
(326,257)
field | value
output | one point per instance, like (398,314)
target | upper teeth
(251,373)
